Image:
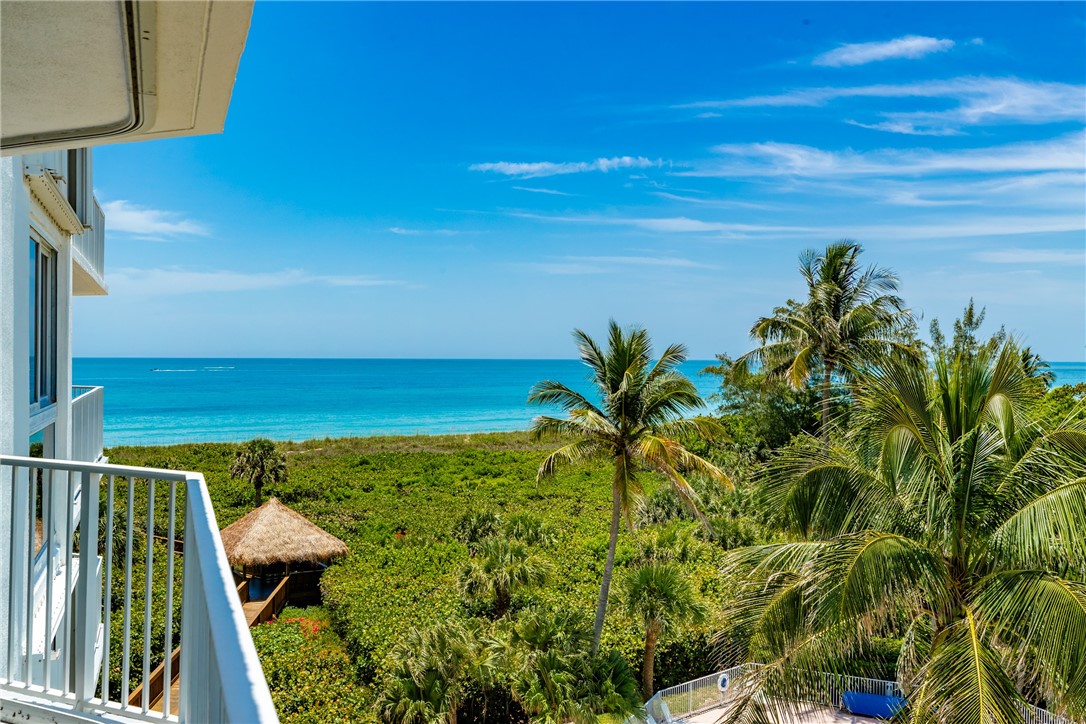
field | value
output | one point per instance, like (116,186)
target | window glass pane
(51,332)
(33,320)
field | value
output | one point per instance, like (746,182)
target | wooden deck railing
(155,683)
(273,604)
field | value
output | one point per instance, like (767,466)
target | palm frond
(1046,531)
(1042,618)
(964,681)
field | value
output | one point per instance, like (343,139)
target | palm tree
(259,462)
(660,597)
(553,675)
(851,317)
(634,427)
(501,569)
(432,671)
(947,517)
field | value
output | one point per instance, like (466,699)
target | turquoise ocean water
(164,401)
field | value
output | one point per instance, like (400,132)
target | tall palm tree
(641,411)
(259,462)
(501,569)
(947,517)
(660,597)
(851,316)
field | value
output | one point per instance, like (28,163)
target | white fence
(88,623)
(88,416)
(690,697)
(706,693)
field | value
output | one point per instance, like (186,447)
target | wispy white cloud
(908,46)
(1032,256)
(151,224)
(962,227)
(979,100)
(1034,190)
(1064,153)
(711,201)
(984,225)
(402,231)
(708,114)
(654,261)
(552,192)
(583,265)
(907,128)
(538,169)
(174,281)
(673,225)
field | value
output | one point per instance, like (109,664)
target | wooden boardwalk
(256,612)
(253,609)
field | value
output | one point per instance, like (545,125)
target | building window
(43,325)
(76,178)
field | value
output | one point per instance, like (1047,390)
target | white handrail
(221,678)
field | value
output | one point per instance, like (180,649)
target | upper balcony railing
(89,250)
(94,603)
(91,242)
(87,421)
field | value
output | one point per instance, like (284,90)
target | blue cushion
(877,705)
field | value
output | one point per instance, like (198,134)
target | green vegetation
(308,670)
(935,538)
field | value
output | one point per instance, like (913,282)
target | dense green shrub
(309,673)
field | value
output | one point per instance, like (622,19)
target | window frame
(43,325)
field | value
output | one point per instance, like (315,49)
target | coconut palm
(501,569)
(259,462)
(660,597)
(432,671)
(634,427)
(948,517)
(851,316)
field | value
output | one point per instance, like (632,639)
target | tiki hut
(274,542)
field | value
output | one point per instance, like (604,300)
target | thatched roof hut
(274,534)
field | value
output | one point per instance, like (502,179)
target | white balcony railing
(91,244)
(95,603)
(87,420)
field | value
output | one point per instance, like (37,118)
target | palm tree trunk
(826,390)
(650,660)
(608,568)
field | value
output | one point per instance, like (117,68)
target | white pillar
(62,435)
(14,360)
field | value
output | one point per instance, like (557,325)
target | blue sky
(476,180)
